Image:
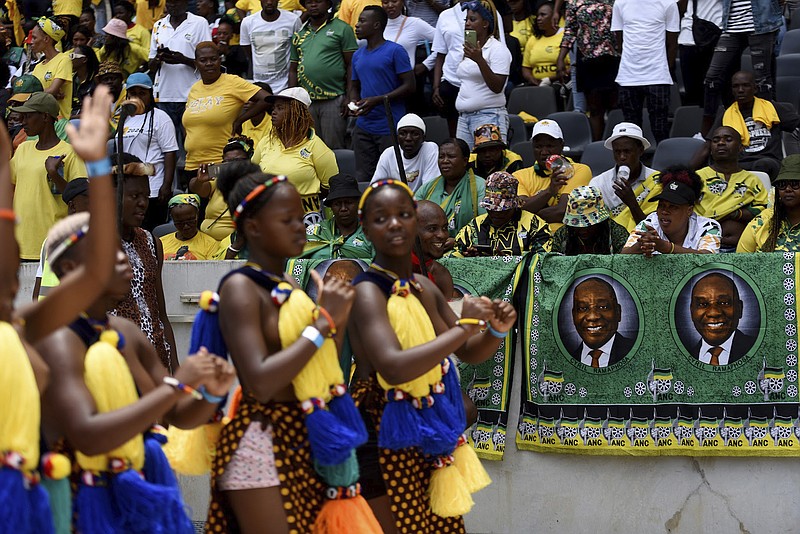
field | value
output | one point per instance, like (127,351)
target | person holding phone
(218,223)
(504,230)
(483,73)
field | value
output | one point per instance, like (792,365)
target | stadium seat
(525,150)
(764,177)
(675,151)
(787,89)
(537,101)
(791,43)
(436,129)
(164,229)
(687,121)
(346,160)
(787,65)
(516,130)
(597,157)
(576,129)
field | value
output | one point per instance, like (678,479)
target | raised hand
(336,297)
(504,316)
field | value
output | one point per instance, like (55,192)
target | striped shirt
(740,18)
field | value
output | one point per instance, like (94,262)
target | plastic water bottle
(556,163)
(623,174)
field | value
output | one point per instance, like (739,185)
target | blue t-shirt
(378,71)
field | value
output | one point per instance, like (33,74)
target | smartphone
(484,250)
(471,37)
(215,168)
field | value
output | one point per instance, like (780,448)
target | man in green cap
(22,88)
(40,170)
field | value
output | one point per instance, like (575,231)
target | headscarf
(109,67)
(485,9)
(51,28)
(184,199)
(136,169)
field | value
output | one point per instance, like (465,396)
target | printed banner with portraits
(674,355)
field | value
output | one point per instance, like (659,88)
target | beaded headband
(381,183)
(252,195)
(66,243)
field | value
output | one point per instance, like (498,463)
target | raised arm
(83,286)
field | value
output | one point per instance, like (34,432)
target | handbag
(704,33)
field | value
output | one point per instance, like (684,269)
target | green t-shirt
(319,55)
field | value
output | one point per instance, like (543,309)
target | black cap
(677,193)
(342,186)
(78,186)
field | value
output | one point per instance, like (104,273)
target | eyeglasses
(76,55)
(786,184)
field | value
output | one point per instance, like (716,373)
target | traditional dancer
(23,375)
(286,461)
(419,471)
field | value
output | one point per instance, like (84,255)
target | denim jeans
(468,122)
(727,53)
(367,148)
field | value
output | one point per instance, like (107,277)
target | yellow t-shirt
(349,10)
(37,207)
(67,7)
(252,6)
(147,16)
(719,198)
(531,183)
(523,31)
(541,55)
(208,119)
(307,165)
(58,68)
(201,247)
(257,133)
(138,34)
(218,222)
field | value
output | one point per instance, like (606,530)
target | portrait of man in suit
(716,309)
(596,314)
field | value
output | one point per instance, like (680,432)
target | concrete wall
(541,493)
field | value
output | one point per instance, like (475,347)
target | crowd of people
(170,130)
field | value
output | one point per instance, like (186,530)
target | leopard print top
(140,305)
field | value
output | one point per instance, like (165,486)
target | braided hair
(236,180)
(779,215)
(296,125)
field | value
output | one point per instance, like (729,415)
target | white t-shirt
(475,94)
(271,44)
(449,39)
(408,32)
(173,82)
(710,10)
(420,169)
(644,50)
(135,141)
(605,183)
(703,233)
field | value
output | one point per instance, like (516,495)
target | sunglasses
(786,184)
(76,55)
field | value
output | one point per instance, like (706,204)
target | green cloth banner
(675,355)
(489,384)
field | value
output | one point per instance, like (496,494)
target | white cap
(411,119)
(547,127)
(295,93)
(627,129)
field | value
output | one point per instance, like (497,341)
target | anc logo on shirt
(48,76)
(305,153)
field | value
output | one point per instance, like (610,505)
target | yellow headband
(52,29)
(381,183)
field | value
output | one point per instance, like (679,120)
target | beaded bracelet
(8,215)
(210,397)
(101,167)
(496,333)
(319,310)
(469,321)
(183,388)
